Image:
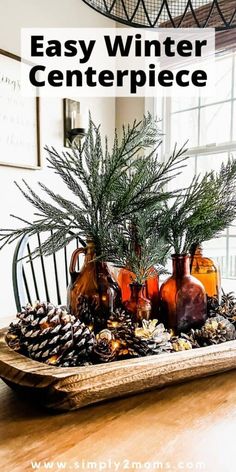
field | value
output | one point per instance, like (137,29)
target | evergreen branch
(70,207)
(203,211)
(107,188)
(138,248)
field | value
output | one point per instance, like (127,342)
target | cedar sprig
(146,185)
(202,212)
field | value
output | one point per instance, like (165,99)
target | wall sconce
(74,122)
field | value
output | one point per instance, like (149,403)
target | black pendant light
(219,14)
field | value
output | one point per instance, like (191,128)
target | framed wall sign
(19,118)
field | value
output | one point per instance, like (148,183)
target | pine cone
(227,307)
(122,329)
(181,343)
(228,299)
(189,338)
(155,337)
(148,340)
(13,336)
(105,347)
(212,305)
(216,330)
(120,319)
(47,333)
(92,316)
(85,314)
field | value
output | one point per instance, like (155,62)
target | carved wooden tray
(71,388)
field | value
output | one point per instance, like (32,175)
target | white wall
(16,14)
(129,109)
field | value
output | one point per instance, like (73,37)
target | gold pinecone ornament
(48,333)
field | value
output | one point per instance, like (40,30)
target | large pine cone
(47,333)
(216,330)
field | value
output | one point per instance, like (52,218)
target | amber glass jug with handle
(208,272)
(138,305)
(182,297)
(94,282)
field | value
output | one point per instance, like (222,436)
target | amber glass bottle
(151,290)
(125,278)
(93,282)
(182,298)
(138,305)
(208,272)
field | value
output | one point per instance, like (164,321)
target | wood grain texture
(72,388)
(192,422)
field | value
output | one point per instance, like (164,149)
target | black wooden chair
(43,278)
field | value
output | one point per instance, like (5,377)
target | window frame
(200,150)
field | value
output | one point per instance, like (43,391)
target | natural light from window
(209,125)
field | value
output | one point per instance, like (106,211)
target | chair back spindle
(42,278)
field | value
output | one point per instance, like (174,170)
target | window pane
(209,124)
(206,163)
(232,229)
(234,75)
(215,124)
(234,122)
(222,90)
(232,258)
(159,108)
(186,176)
(178,103)
(210,162)
(216,249)
(184,127)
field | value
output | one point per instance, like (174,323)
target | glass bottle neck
(198,252)
(90,251)
(136,291)
(180,265)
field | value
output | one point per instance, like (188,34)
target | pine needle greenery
(139,248)
(107,187)
(202,212)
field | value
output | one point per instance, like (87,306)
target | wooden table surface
(184,427)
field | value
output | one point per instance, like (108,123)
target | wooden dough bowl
(71,388)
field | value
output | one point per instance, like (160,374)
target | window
(209,125)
